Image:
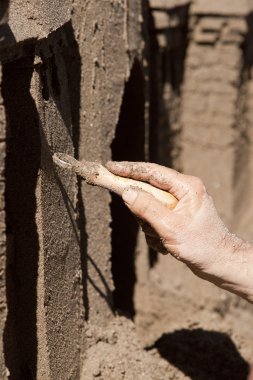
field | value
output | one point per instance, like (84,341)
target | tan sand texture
(81,295)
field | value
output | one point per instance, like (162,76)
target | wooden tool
(96,174)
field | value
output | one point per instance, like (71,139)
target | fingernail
(129,196)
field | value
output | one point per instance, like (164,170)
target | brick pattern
(225,30)
(222,8)
(167,4)
(212,93)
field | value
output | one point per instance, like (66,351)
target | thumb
(148,208)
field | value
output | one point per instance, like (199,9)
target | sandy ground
(184,329)
(194,353)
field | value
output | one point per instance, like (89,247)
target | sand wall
(169,83)
(63,82)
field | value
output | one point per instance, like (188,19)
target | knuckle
(152,172)
(158,174)
(139,168)
(198,185)
(132,169)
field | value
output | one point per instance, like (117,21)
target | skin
(192,232)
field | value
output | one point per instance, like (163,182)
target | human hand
(192,232)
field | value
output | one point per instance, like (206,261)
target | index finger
(157,175)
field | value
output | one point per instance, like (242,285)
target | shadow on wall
(128,145)
(7,38)
(4,8)
(23,161)
(26,143)
(203,355)
(22,165)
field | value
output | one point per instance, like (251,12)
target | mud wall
(170,82)
(64,68)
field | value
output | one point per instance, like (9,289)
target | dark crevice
(128,145)
(55,84)
(22,166)
(43,79)
(166,69)
(152,257)
(4,9)
(167,65)
(242,125)
(49,74)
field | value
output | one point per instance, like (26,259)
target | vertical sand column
(110,39)
(59,272)
(44,318)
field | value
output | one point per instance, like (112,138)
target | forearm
(233,268)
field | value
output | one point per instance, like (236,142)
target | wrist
(233,268)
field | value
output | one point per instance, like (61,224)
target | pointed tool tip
(63,160)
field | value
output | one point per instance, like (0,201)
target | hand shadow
(203,355)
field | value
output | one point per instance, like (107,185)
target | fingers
(149,209)
(158,176)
